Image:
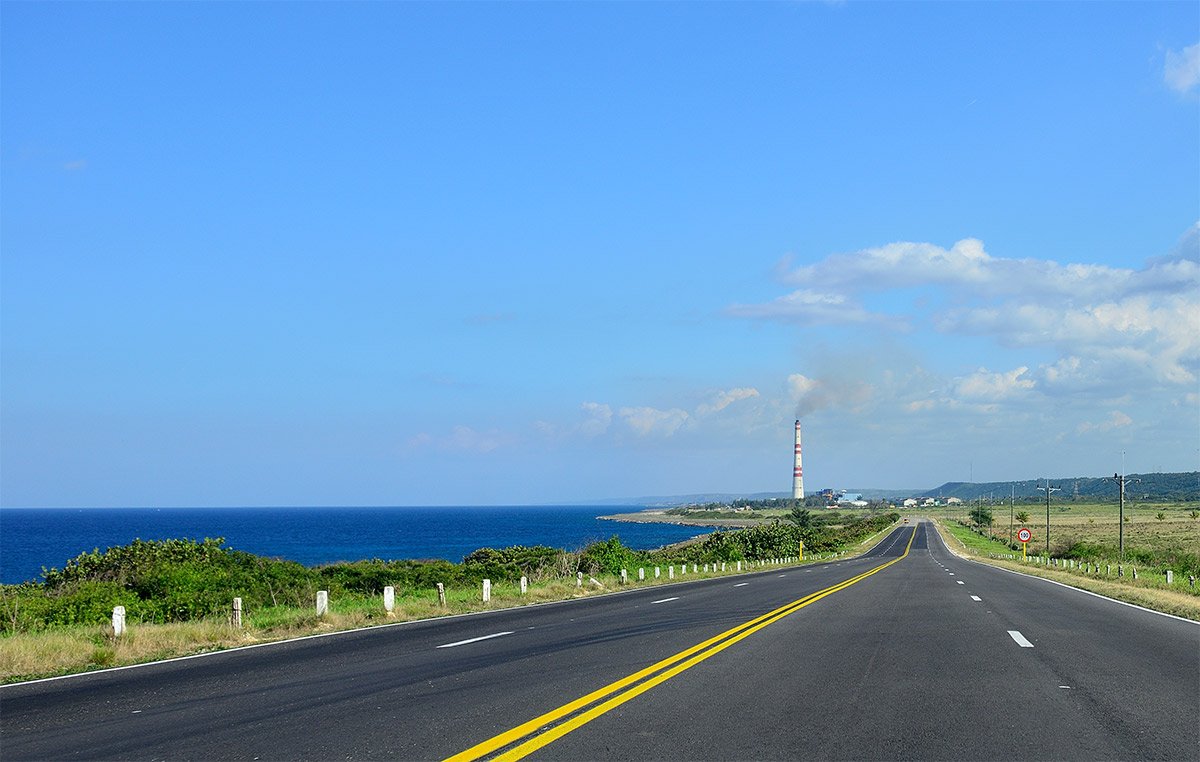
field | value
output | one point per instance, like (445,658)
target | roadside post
(1024,535)
(802,550)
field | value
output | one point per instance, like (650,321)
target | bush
(28,607)
(607,557)
(508,564)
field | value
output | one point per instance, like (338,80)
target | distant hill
(667,501)
(1157,486)
(1177,486)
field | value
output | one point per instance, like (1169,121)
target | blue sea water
(32,538)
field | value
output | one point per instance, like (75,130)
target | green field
(1092,530)
(1085,540)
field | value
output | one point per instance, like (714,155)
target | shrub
(606,557)
(508,563)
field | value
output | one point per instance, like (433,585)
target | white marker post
(118,621)
(322,602)
(236,619)
(389,599)
(441,590)
(524,585)
(487,590)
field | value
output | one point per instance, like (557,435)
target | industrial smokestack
(797,470)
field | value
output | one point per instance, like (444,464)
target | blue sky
(400,253)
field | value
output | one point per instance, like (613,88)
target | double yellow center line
(551,726)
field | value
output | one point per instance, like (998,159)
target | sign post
(802,550)
(1024,535)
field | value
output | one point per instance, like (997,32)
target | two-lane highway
(884,656)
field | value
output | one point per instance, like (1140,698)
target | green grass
(1149,589)
(975,542)
(77,648)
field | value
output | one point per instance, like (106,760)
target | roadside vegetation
(178,594)
(1085,549)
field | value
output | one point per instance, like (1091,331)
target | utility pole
(1121,482)
(1048,489)
(1012,500)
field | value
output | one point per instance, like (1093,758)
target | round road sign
(1024,535)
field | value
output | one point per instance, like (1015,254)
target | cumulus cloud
(1115,420)
(598,419)
(985,385)
(1181,71)
(1129,325)
(1155,335)
(646,421)
(724,399)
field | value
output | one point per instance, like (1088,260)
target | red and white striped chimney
(797,470)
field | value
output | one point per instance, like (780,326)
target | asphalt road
(914,660)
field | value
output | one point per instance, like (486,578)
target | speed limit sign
(1024,535)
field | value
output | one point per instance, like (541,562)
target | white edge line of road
(1060,584)
(372,628)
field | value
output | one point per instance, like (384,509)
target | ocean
(32,538)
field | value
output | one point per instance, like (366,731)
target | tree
(981,515)
(801,517)
(1023,517)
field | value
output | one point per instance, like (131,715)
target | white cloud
(1182,70)
(808,307)
(1159,337)
(724,399)
(985,385)
(1130,326)
(598,419)
(646,421)
(1115,420)
(800,386)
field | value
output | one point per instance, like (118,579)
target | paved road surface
(914,660)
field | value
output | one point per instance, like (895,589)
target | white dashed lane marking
(976,598)
(475,640)
(665,600)
(1021,640)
